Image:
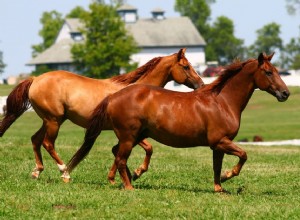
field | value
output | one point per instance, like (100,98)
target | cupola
(128,13)
(158,14)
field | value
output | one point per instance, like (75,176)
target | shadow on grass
(144,186)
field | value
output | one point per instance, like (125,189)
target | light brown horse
(209,116)
(60,95)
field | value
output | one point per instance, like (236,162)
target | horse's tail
(16,104)
(94,128)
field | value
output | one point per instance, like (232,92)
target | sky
(19,22)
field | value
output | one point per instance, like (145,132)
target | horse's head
(183,73)
(267,78)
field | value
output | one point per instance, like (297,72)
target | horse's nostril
(286,94)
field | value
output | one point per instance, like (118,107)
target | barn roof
(167,32)
(57,53)
(147,32)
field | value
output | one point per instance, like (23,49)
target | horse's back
(65,94)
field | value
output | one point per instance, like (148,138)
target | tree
(107,47)
(77,12)
(51,22)
(290,55)
(293,6)
(268,40)
(2,64)
(222,45)
(198,11)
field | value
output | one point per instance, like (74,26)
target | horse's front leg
(144,167)
(228,147)
(217,167)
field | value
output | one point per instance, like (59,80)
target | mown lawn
(178,185)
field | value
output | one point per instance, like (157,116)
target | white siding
(196,56)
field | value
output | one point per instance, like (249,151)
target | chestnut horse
(209,116)
(60,95)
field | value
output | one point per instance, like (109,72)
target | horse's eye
(186,67)
(269,73)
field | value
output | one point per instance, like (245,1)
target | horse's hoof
(66,180)
(112,181)
(66,177)
(223,191)
(35,175)
(225,176)
(135,176)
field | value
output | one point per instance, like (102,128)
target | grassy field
(178,185)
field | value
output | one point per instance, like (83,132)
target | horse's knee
(149,151)
(243,156)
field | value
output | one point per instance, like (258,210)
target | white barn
(155,36)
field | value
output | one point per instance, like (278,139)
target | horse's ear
(260,59)
(181,53)
(270,56)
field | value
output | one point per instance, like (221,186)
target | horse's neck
(159,76)
(238,91)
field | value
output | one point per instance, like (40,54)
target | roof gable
(177,31)
(74,24)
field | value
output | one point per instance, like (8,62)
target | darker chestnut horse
(60,95)
(209,116)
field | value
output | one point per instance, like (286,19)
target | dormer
(128,13)
(158,14)
(71,29)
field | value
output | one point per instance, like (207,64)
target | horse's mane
(229,71)
(134,75)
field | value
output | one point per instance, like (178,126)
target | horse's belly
(179,140)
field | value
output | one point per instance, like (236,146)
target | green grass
(178,185)
(5,89)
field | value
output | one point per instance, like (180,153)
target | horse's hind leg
(113,170)
(37,140)
(139,171)
(144,167)
(121,162)
(52,128)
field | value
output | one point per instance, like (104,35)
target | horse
(209,116)
(60,95)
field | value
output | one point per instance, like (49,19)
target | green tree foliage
(290,55)
(293,6)
(222,45)
(40,69)
(51,24)
(268,40)
(77,12)
(2,64)
(107,47)
(198,11)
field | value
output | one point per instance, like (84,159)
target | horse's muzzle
(199,84)
(282,96)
